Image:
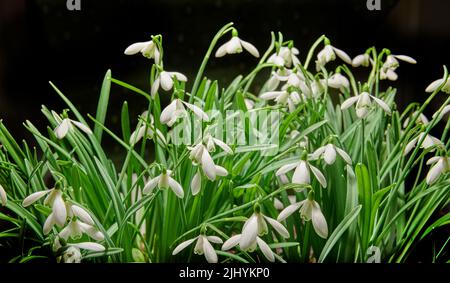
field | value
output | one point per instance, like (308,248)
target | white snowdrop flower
(440,165)
(196,183)
(444,112)
(72,255)
(80,213)
(164,181)
(166,81)
(328,153)
(437,83)
(148,49)
(90,246)
(428,142)
(176,109)
(283,97)
(421,119)
(202,247)
(276,78)
(256,225)
(212,142)
(55,200)
(338,81)
(276,59)
(236,45)
(329,53)
(309,210)
(3,196)
(389,74)
(285,57)
(361,60)
(200,156)
(364,103)
(263,246)
(391,64)
(302,175)
(148,131)
(250,104)
(76,228)
(66,125)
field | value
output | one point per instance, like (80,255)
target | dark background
(40,40)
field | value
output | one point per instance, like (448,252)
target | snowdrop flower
(76,228)
(309,210)
(276,77)
(361,60)
(72,255)
(200,156)
(421,119)
(55,200)
(235,45)
(212,142)
(66,125)
(283,97)
(147,48)
(428,142)
(164,181)
(176,109)
(302,175)
(203,246)
(444,112)
(3,197)
(440,165)
(328,153)
(250,104)
(329,53)
(166,80)
(338,81)
(263,246)
(363,104)
(286,56)
(146,130)
(391,64)
(437,83)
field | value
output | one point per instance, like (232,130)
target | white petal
(435,172)
(176,187)
(180,77)
(278,227)
(183,245)
(221,51)
(197,111)
(231,242)
(82,127)
(166,81)
(155,87)
(48,224)
(288,211)
(301,174)
(406,59)
(349,102)
(330,154)
(196,183)
(434,85)
(168,112)
(135,48)
(220,171)
(382,104)
(223,146)
(250,48)
(63,128)
(444,112)
(316,154)
(265,249)
(286,168)
(89,246)
(59,210)
(208,165)
(410,145)
(214,239)
(341,54)
(210,253)
(137,135)
(271,95)
(150,185)
(234,45)
(433,160)
(344,155)
(34,197)
(82,214)
(359,60)
(3,197)
(319,222)
(249,233)
(320,177)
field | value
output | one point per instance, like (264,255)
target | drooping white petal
(361,60)
(63,128)
(278,227)
(137,135)
(48,224)
(208,165)
(29,200)
(210,253)
(135,48)
(286,168)
(250,48)
(197,111)
(183,245)
(196,183)
(155,87)
(349,102)
(214,239)
(382,104)
(234,45)
(435,172)
(168,112)
(249,233)
(271,95)
(59,210)
(82,127)
(285,213)
(406,59)
(150,185)
(344,56)
(95,247)
(3,197)
(410,145)
(223,146)
(344,155)
(317,153)
(330,154)
(82,214)
(222,50)
(180,77)
(320,177)
(444,112)
(301,174)
(433,160)
(220,171)
(319,222)
(434,85)
(166,81)
(265,249)
(231,242)
(176,187)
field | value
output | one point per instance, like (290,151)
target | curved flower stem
(311,51)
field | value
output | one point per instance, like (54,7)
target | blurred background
(41,41)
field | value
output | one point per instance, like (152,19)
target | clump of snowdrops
(346,174)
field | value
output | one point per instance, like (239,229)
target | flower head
(166,81)
(66,125)
(329,53)
(391,64)
(364,103)
(440,165)
(361,60)
(146,130)
(285,57)
(428,141)
(176,109)
(236,45)
(302,175)
(328,153)
(148,49)
(200,156)
(164,181)
(445,83)
(202,247)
